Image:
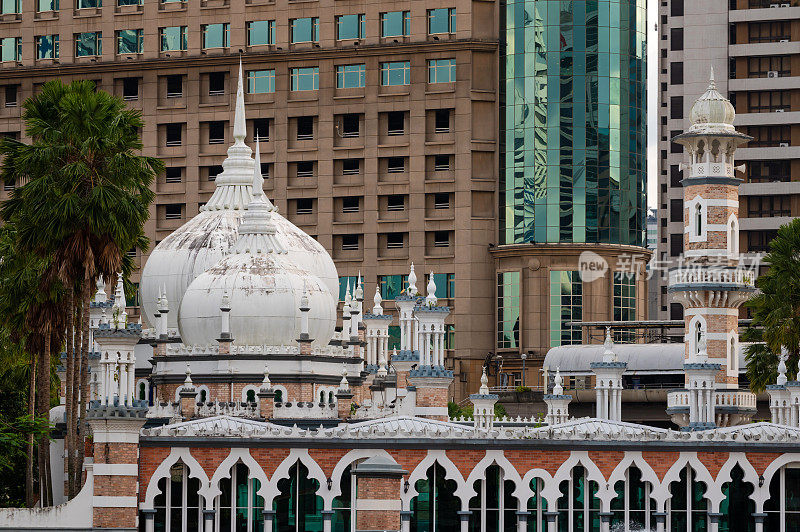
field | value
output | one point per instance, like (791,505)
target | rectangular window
(396,24)
(130,41)
(769,206)
(395,240)
(396,202)
(396,73)
(351,166)
(772,31)
(566,305)
(174,86)
(350,76)
(676,245)
(11,49)
(260,81)
(174,134)
(441,200)
(260,32)
(83,4)
(215,35)
(47,5)
(675,176)
(769,171)
(216,83)
(676,210)
(769,66)
(47,47)
(351,204)
(305,169)
(216,132)
(676,107)
(261,129)
(449,336)
(350,126)
(304,79)
(305,127)
(441,239)
(8,7)
(88,44)
(769,136)
(214,171)
(676,73)
(444,284)
(306,206)
(508,310)
(173,38)
(759,240)
(396,123)
(676,39)
(441,70)
(350,27)
(396,165)
(624,304)
(130,89)
(392,285)
(442,121)
(304,30)
(676,8)
(769,101)
(441,20)
(344,282)
(173,175)
(173,211)
(441,163)
(129,2)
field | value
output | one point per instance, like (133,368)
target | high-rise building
(752,46)
(382,136)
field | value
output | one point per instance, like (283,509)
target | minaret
(608,382)
(377,333)
(557,402)
(712,286)
(483,405)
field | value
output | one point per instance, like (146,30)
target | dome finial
(377,309)
(258,179)
(558,389)
(484,389)
(430,298)
(412,281)
(782,380)
(711,83)
(239,123)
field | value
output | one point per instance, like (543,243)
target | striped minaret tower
(710,284)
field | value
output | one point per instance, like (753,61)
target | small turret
(483,405)
(430,298)
(557,402)
(412,282)
(377,309)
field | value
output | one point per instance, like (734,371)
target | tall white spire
(412,281)
(239,122)
(258,178)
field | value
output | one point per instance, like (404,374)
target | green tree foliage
(776,310)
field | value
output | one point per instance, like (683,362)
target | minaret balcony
(711,169)
(711,278)
(731,407)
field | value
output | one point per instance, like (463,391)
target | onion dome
(265,286)
(712,110)
(202,241)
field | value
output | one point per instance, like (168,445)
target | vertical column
(378,489)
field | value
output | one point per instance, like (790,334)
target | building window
(769,101)
(350,126)
(676,245)
(351,166)
(392,285)
(174,86)
(396,123)
(566,305)
(770,136)
(441,70)
(394,337)
(782,507)
(306,206)
(8,7)
(396,165)
(260,81)
(305,169)
(350,27)
(445,284)
(674,147)
(304,30)
(351,204)
(441,163)
(772,31)
(350,76)
(449,336)
(178,501)
(216,83)
(578,502)
(88,44)
(494,507)
(624,304)
(676,107)
(174,134)
(214,171)
(216,35)
(173,175)
(396,73)
(441,239)
(47,5)
(130,89)
(676,210)
(441,200)
(442,121)
(769,171)
(260,32)
(47,47)
(676,39)
(508,310)
(130,41)
(395,240)
(675,176)
(261,129)
(298,507)
(769,206)
(395,202)
(344,282)
(676,8)
(688,506)
(676,73)
(173,211)
(304,79)
(173,38)
(305,127)
(769,66)
(442,20)
(88,4)
(759,240)
(396,24)
(216,132)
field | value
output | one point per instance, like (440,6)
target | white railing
(236,409)
(677,398)
(741,276)
(301,410)
(722,397)
(166,410)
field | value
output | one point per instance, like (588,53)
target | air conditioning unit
(779,110)
(774,5)
(772,74)
(784,5)
(784,40)
(784,144)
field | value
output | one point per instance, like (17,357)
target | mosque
(245,408)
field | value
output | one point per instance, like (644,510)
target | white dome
(712,110)
(265,292)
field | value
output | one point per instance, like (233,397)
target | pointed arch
(177,454)
(760,495)
(282,471)
(338,471)
(604,493)
(521,492)
(224,471)
(714,496)
(463,491)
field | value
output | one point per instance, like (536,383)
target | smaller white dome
(712,110)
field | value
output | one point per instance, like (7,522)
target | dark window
(261,129)
(350,242)
(676,73)
(769,101)
(770,66)
(769,171)
(174,86)
(772,31)
(216,83)
(441,239)
(769,206)
(396,122)
(351,166)
(11,95)
(676,8)
(305,206)
(214,171)
(441,163)
(305,127)
(173,175)
(759,240)
(676,39)
(265,170)
(173,211)
(351,204)
(674,147)
(350,126)
(769,136)
(394,240)
(130,89)
(676,245)
(174,134)
(442,121)
(676,210)
(216,132)
(305,169)
(396,165)
(675,311)
(395,202)
(675,175)
(441,200)
(676,107)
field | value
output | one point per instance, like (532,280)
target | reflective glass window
(11,49)
(304,30)
(566,305)
(88,44)
(47,5)
(508,310)
(350,76)
(83,4)
(260,81)
(260,32)
(441,70)
(442,20)
(624,304)
(130,41)
(396,24)
(392,285)
(396,73)
(47,47)
(215,35)
(10,6)
(350,27)
(304,79)
(173,38)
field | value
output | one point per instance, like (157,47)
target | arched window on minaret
(733,358)
(698,335)
(733,237)
(698,219)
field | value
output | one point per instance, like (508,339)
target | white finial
(100,296)
(239,122)
(430,298)
(266,384)
(343,384)
(702,353)
(608,348)
(782,366)
(382,371)
(711,83)
(163,302)
(347,298)
(558,389)
(359,291)
(304,298)
(412,281)
(188,380)
(120,316)
(484,389)
(377,309)
(226,301)
(258,178)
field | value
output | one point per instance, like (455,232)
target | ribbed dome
(205,239)
(712,110)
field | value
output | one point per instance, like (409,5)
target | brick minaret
(710,285)
(378,493)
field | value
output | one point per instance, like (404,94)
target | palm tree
(776,310)
(84,204)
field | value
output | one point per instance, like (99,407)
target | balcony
(763,48)
(731,406)
(764,119)
(712,276)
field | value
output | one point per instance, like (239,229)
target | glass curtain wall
(573,122)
